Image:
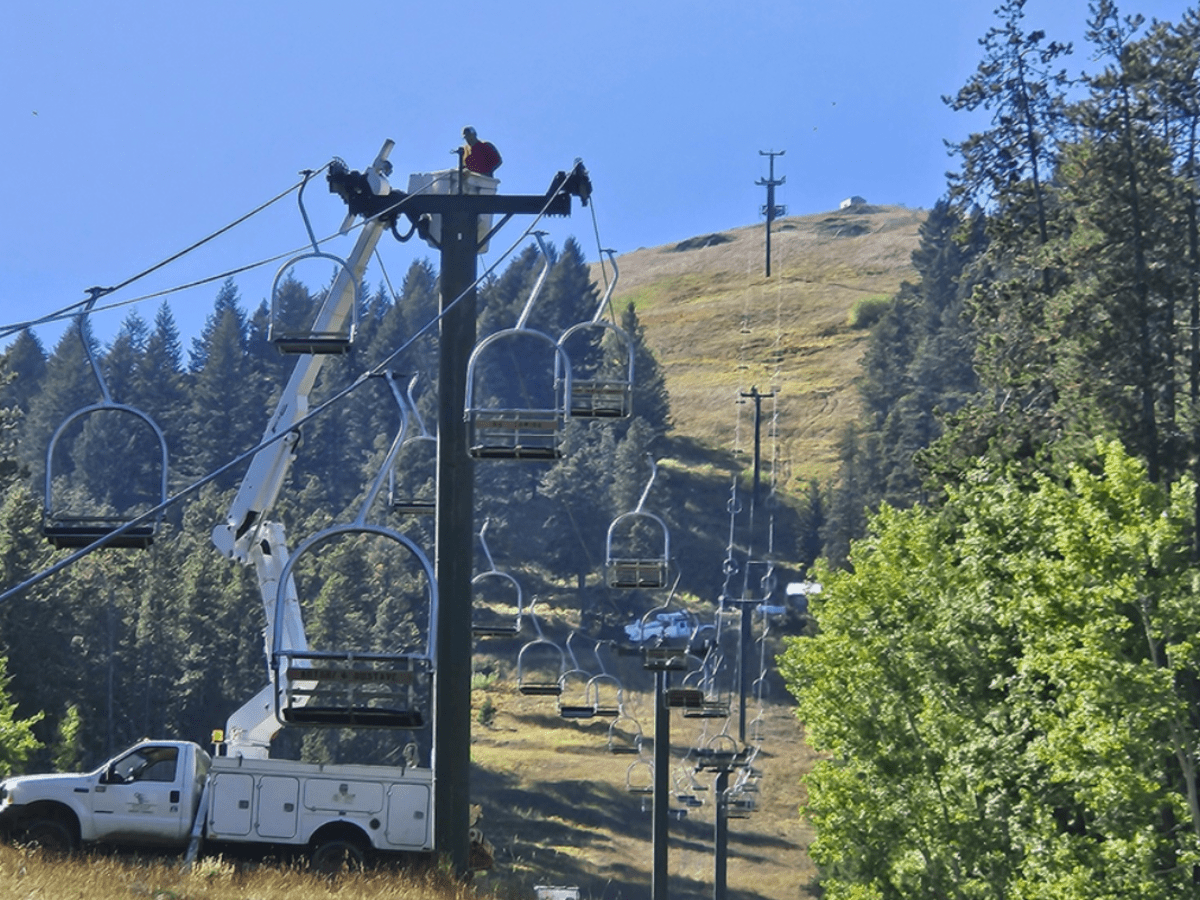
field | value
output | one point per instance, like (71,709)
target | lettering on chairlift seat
(361,676)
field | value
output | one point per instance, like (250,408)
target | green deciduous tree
(17,742)
(1005,691)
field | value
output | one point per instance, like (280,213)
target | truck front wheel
(51,834)
(333,856)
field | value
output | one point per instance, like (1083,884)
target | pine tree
(226,415)
(25,362)
(651,402)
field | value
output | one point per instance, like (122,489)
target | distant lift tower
(770,210)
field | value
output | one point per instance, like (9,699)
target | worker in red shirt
(479,156)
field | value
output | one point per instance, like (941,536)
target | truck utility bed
(286,801)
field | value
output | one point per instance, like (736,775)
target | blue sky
(133,129)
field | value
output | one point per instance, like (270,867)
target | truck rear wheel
(51,834)
(332,856)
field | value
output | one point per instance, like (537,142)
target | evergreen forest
(168,642)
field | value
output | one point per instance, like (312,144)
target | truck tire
(51,834)
(335,855)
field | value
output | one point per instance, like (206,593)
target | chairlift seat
(616,748)
(354,717)
(540,688)
(352,691)
(576,711)
(530,434)
(480,629)
(65,535)
(633,574)
(684,698)
(411,506)
(598,399)
(710,709)
(665,659)
(314,343)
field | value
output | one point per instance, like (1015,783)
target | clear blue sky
(132,129)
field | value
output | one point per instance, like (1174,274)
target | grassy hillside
(720,327)
(555,799)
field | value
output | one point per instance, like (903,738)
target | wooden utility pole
(744,649)
(459,245)
(770,210)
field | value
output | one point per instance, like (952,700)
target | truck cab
(146,795)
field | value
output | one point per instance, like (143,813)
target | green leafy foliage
(17,740)
(1004,691)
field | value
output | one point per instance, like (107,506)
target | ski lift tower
(458,215)
(770,210)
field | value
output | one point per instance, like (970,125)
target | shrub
(868,310)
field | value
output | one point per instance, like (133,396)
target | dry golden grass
(30,874)
(557,808)
(719,327)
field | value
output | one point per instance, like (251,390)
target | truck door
(277,802)
(408,815)
(141,798)
(229,805)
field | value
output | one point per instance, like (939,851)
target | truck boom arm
(247,535)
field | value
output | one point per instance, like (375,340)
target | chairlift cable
(315,411)
(72,309)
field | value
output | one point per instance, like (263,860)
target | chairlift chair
(639,777)
(67,526)
(684,781)
(534,430)
(540,665)
(353,687)
(626,568)
(689,693)
(708,697)
(484,621)
(574,696)
(329,331)
(624,735)
(607,390)
(420,451)
(739,803)
(605,691)
(717,675)
(356,687)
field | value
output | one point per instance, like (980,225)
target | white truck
(168,793)
(176,794)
